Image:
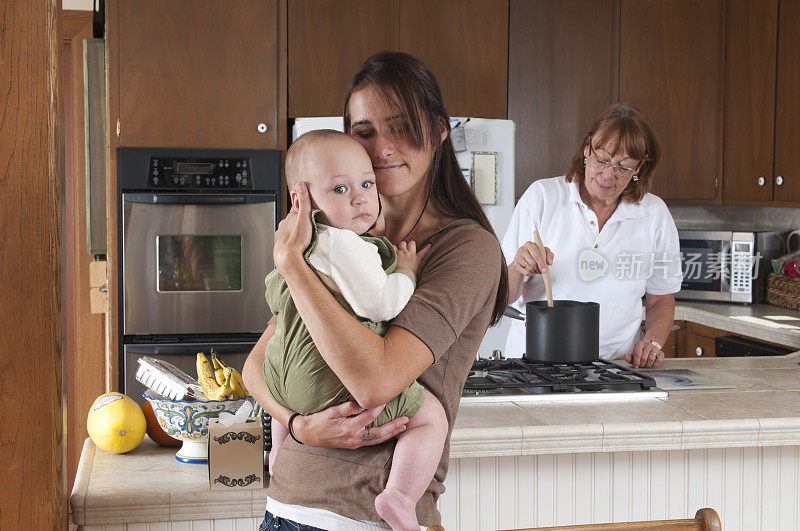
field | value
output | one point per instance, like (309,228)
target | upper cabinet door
(562,73)
(198,73)
(671,67)
(465,44)
(750,101)
(787,138)
(328,41)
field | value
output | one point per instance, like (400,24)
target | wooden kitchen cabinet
(698,346)
(324,51)
(562,73)
(671,67)
(463,42)
(787,141)
(197,73)
(700,341)
(750,101)
(761,104)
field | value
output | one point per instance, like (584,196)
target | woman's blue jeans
(276,523)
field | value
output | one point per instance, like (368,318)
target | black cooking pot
(567,332)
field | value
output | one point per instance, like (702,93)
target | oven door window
(706,265)
(199,263)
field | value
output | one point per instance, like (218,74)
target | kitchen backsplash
(735,217)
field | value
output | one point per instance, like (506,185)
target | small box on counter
(236,455)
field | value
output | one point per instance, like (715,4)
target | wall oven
(727,266)
(196,235)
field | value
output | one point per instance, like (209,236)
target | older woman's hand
(343,426)
(529,260)
(294,231)
(645,354)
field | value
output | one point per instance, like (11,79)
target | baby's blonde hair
(297,157)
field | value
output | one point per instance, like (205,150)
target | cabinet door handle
(761,181)
(263,128)
(699,351)
(779,180)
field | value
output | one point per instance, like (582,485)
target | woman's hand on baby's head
(294,231)
(408,259)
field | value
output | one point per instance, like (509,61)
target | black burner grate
(528,377)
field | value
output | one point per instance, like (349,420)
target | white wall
(84,5)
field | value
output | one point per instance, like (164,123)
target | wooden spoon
(546,273)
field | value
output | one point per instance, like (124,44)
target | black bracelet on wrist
(291,419)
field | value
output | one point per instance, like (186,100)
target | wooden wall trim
(31,403)
(283,94)
(84,341)
(72,21)
(112,111)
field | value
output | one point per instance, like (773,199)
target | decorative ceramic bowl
(187,420)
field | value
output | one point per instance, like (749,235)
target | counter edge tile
(80,488)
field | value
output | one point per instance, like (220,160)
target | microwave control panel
(199,173)
(741,267)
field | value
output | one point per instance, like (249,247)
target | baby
(373,281)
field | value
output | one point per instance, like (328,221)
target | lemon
(116,423)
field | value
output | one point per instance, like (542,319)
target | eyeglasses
(620,171)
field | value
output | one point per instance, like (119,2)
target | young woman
(329,475)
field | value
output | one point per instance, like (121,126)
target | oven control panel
(199,173)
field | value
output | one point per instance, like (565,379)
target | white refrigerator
(485,153)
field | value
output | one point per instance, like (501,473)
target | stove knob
(699,351)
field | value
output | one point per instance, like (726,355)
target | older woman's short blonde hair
(621,127)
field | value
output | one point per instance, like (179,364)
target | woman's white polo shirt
(637,252)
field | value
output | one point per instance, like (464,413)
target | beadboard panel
(750,488)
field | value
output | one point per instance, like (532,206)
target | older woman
(608,240)
(328,474)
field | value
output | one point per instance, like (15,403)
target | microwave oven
(727,266)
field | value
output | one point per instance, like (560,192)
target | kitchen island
(517,464)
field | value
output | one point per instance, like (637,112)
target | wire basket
(783,291)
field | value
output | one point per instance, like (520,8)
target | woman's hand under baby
(408,259)
(343,426)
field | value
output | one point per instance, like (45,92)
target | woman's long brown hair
(407,84)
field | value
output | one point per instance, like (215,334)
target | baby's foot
(398,509)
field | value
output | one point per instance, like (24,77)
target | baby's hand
(408,259)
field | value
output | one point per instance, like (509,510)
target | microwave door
(196,264)
(706,270)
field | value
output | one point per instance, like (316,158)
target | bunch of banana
(219,382)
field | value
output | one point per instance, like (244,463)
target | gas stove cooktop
(519,380)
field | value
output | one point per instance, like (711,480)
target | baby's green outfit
(296,374)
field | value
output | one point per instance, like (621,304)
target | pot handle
(512,312)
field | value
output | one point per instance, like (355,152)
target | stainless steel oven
(197,229)
(195,264)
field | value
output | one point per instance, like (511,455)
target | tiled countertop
(760,321)
(147,484)
(762,410)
